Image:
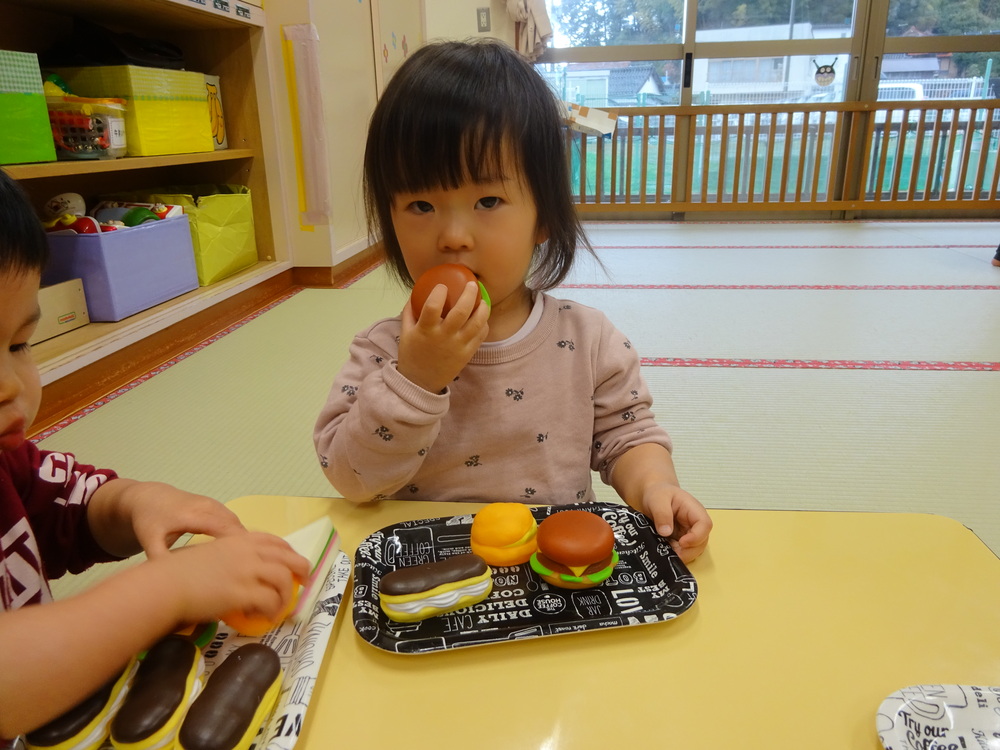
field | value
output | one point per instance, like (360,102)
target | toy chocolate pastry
(201,633)
(576,550)
(239,695)
(504,534)
(454,276)
(421,591)
(168,680)
(85,726)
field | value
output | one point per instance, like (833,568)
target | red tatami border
(821,364)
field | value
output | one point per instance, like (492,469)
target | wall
(356,65)
(348,92)
(399,30)
(456,19)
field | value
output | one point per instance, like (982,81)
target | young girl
(465,163)
(59,515)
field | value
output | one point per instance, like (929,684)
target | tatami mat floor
(812,366)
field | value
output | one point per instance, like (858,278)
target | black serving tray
(649,584)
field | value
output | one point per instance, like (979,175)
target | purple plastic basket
(128,270)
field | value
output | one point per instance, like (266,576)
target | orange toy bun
(503,534)
(257,625)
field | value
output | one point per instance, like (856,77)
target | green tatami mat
(236,417)
(900,441)
(804,324)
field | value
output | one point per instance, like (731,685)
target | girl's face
(490,227)
(20,388)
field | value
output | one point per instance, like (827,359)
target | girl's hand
(677,515)
(432,349)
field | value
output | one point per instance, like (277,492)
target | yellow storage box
(167,110)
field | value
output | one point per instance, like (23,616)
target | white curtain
(533,27)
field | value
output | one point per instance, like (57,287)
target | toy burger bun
(576,550)
(257,625)
(421,591)
(85,726)
(168,681)
(454,276)
(504,534)
(238,697)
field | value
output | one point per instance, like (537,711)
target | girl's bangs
(446,153)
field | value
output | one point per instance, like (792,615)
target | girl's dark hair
(454,111)
(23,246)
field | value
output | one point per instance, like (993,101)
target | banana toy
(216,115)
(86,725)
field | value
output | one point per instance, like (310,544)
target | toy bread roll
(168,681)
(504,534)
(238,697)
(421,591)
(85,726)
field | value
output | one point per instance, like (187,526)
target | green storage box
(24,115)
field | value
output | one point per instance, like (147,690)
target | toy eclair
(421,591)
(168,680)
(237,699)
(85,726)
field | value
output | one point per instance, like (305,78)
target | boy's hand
(160,521)
(126,516)
(677,515)
(252,572)
(432,349)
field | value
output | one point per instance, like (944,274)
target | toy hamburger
(503,534)
(576,550)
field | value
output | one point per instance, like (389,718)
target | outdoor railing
(891,156)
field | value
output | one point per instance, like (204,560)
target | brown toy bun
(504,534)
(576,550)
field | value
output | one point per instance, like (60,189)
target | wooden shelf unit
(228,43)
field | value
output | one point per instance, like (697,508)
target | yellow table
(804,622)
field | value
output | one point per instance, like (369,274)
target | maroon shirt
(43,522)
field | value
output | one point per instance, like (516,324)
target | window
(762,69)
(908,18)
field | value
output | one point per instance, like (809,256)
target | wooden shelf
(150,15)
(217,37)
(71,351)
(95,166)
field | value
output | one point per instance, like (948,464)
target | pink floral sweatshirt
(524,422)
